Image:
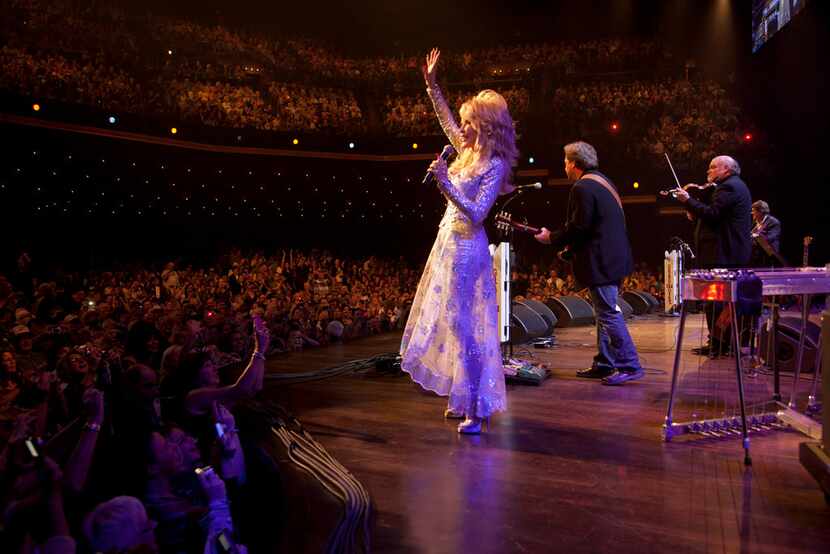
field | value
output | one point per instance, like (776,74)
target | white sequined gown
(451,341)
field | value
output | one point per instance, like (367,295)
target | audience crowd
(137,358)
(540,282)
(692,120)
(412,115)
(96,55)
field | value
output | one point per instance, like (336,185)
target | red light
(748,137)
(615,126)
(714,291)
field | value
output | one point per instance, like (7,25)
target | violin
(700,189)
(694,190)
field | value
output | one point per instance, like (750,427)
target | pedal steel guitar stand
(723,286)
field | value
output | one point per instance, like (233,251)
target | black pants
(720,336)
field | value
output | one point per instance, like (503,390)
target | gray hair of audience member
(730,164)
(761,207)
(116,525)
(582,154)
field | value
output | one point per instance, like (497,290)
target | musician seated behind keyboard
(766,228)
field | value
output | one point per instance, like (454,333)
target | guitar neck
(806,259)
(505,220)
(527,228)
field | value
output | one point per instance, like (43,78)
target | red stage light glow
(714,291)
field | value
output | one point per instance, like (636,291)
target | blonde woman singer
(451,341)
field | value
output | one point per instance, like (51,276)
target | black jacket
(728,215)
(595,234)
(770,229)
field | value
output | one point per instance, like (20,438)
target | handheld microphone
(537,185)
(448,151)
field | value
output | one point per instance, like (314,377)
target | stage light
(112,120)
(636,185)
(747,137)
(531,160)
(414,145)
(36,107)
(173,130)
(169,52)
(351,146)
(615,126)
(295,142)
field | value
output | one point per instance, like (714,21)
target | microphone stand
(679,245)
(514,195)
(507,236)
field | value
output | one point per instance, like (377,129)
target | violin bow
(676,180)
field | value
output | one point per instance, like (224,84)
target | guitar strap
(599,179)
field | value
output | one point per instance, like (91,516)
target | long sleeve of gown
(476,209)
(445,117)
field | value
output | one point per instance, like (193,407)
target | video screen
(769,16)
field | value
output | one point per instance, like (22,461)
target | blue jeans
(615,349)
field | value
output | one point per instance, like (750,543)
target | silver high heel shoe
(473,425)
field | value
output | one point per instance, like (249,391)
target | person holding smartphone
(208,390)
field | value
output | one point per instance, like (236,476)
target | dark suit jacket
(729,217)
(770,229)
(596,235)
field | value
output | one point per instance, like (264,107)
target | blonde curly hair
(489,115)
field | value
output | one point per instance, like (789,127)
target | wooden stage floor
(573,466)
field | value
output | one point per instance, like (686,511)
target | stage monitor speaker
(642,301)
(786,344)
(627,310)
(637,302)
(549,317)
(525,324)
(571,310)
(652,300)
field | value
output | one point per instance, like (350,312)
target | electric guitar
(505,222)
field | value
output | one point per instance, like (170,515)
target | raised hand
(93,403)
(261,335)
(430,67)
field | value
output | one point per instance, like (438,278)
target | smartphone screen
(30,446)
(223,541)
(220,430)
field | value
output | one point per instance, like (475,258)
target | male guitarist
(766,237)
(596,237)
